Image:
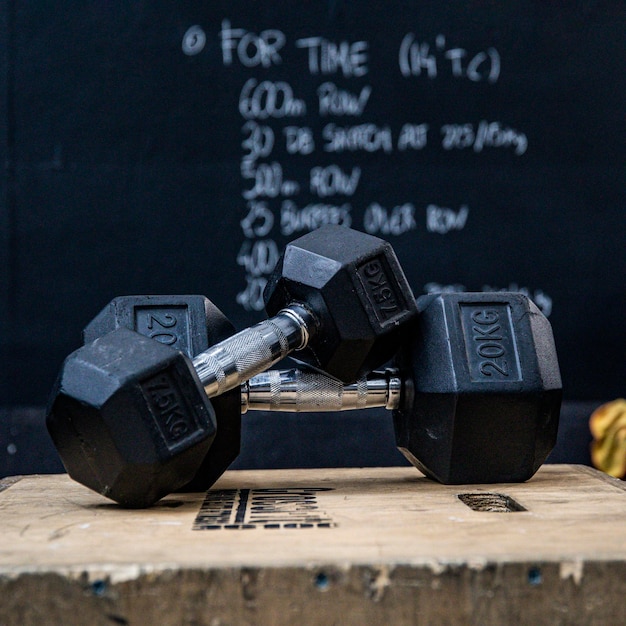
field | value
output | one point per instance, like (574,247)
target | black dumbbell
(131,418)
(476,397)
(191,324)
(484,404)
(500,431)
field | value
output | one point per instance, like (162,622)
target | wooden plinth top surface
(307,518)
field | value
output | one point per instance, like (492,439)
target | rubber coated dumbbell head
(168,425)
(483,403)
(358,292)
(191,324)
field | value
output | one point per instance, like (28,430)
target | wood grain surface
(344,546)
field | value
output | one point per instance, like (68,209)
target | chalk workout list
(303,159)
(177,147)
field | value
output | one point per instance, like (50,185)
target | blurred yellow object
(608,427)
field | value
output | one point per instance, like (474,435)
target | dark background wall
(174,147)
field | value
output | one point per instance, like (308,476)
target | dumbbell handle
(233,361)
(298,391)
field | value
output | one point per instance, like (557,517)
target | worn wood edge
(9,481)
(119,573)
(618,483)
(536,593)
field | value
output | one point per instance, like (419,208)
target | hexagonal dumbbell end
(484,405)
(129,418)
(191,324)
(357,291)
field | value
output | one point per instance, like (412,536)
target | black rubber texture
(355,287)
(129,418)
(192,324)
(484,389)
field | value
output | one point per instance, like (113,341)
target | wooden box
(345,546)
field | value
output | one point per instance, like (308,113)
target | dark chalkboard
(174,147)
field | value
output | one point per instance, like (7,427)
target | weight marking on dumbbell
(492,353)
(166,324)
(172,418)
(378,288)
